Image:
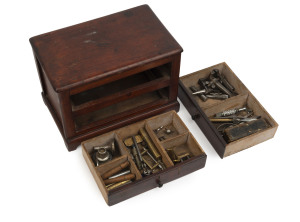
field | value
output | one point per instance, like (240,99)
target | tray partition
(184,143)
(182,139)
(166,126)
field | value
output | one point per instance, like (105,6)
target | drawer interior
(121,109)
(182,139)
(114,100)
(192,80)
(244,98)
(85,98)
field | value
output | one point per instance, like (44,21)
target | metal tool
(158,129)
(113,186)
(120,174)
(223,80)
(136,157)
(157,163)
(102,154)
(202,84)
(150,145)
(217,96)
(140,158)
(119,179)
(200,93)
(215,87)
(230,112)
(168,131)
(233,120)
(176,156)
(111,148)
(220,86)
(137,149)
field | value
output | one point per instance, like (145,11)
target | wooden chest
(117,77)
(107,73)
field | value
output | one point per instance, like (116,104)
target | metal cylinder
(118,184)
(220,97)
(221,87)
(120,174)
(151,146)
(119,179)
(201,95)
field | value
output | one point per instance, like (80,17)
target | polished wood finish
(93,50)
(78,65)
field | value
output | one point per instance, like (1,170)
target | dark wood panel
(112,113)
(82,57)
(121,96)
(156,180)
(83,53)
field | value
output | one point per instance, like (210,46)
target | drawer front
(202,121)
(156,180)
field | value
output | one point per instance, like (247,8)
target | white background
(259,40)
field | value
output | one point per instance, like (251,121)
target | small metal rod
(137,148)
(118,184)
(120,174)
(199,92)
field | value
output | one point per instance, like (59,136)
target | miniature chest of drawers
(107,73)
(110,79)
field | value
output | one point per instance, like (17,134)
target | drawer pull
(196,116)
(159,183)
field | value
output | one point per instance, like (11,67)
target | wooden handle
(115,170)
(119,179)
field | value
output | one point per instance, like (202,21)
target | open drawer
(231,138)
(178,140)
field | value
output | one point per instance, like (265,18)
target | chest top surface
(96,49)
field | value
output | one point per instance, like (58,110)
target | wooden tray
(182,138)
(201,111)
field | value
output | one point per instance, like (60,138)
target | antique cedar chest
(105,79)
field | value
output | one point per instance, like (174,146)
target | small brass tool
(113,186)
